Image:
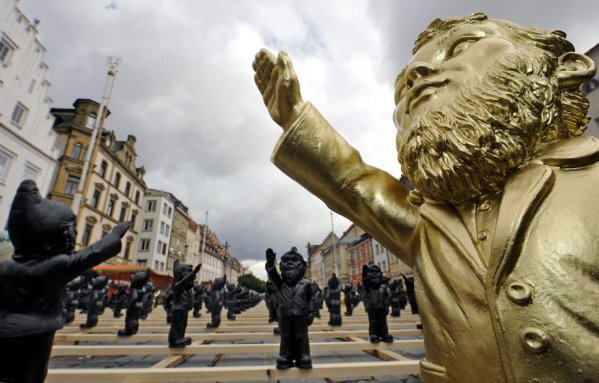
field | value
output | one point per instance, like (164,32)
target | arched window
(117,180)
(76,152)
(128,189)
(91,121)
(103,168)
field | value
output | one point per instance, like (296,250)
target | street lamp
(113,62)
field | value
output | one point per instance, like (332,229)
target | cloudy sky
(185,89)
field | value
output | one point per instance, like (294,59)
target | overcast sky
(185,89)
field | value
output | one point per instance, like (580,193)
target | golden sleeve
(313,154)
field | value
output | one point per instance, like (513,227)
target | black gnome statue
(182,303)
(33,282)
(216,301)
(272,302)
(96,302)
(376,303)
(316,303)
(198,291)
(134,303)
(333,301)
(232,292)
(118,300)
(349,299)
(71,301)
(395,299)
(295,314)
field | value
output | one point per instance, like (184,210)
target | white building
(26,136)
(591,89)
(156,220)
(380,256)
(211,256)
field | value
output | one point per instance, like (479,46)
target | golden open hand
(279,86)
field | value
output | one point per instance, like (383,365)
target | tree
(251,282)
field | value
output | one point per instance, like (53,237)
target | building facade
(115,184)
(156,223)
(591,89)
(360,253)
(178,243)
(211,256)
(27,141)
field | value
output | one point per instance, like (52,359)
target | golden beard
(466,147)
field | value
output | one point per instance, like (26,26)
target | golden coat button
(534,340)
(482,235)
(519,292)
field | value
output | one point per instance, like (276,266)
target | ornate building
(115,188)
(26,137)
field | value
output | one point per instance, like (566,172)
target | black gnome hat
(100,282)
(333,282)
(38,227)
(180,270)
(219,283)
(139,279)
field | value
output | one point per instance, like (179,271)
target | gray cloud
(185,89)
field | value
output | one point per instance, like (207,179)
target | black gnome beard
(291,275)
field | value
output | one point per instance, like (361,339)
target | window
(170,211)
(32,86)
(110,209)
(133,218)
(103,168)
(161,227)
(71,186)
(148,225)
(144,244)
(164,208)
(117,180)
(161,266)
(91,121)
(96,198)
(167,229)
(86,234)
(105,231)
(127,189)
(159,247)
(84,156)
(76,152)
(354,271)
(164,248)
(376,249)
(151,205)
(127,249)
(156,265)
(123,213)
(30,173)
(5,160)
(6,50)
(384,268)
(142,262)
(18,114)
(137,197)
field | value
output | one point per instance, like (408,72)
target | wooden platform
(250,335)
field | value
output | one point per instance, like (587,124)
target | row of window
(30,172)
(161,247)
(166,209)
(148,225)
(87,233)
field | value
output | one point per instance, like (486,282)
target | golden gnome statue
(502,230)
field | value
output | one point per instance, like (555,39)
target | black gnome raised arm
(32,282)
(182,303)
(134,303)
(376,303)
(294,295)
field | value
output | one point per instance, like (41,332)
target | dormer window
(91,121)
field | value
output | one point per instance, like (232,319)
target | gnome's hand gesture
(271,256)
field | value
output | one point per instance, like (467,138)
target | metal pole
(99,123)
(204,237)
(335,266)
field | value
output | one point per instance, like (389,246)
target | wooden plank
(171,361)
(229,328)
(61,337)
(231,374)
(212,349)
